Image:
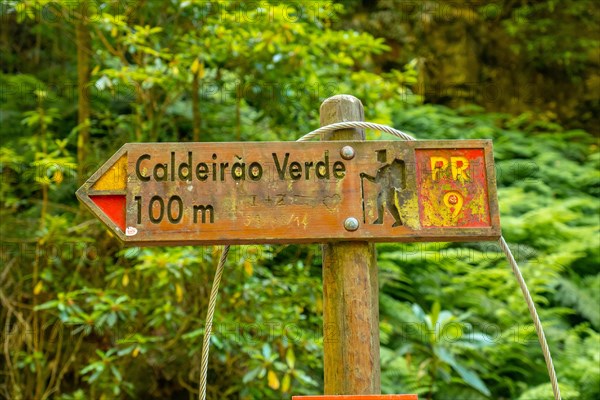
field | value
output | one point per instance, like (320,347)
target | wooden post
(350,288)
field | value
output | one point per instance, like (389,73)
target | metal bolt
(351,224)
(347,152)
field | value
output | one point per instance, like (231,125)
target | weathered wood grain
(291,201)
(350,289)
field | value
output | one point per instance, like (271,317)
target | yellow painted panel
(115,178)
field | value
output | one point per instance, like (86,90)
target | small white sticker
(131,231)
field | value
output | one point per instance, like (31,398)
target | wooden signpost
(343,191)
(296,192)
(350,289)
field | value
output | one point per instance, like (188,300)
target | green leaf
(301,376)
(116,373)
(286,383)
(96,375)
(251,375)
(435,312)
(87,369)
(290,358)
(470,377)
(266,351)
(47,305)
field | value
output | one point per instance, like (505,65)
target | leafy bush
(83,318)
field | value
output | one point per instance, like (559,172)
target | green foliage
(545,392)
(582,295)
(83,318)
(434,342)
(565,49)
(547,183)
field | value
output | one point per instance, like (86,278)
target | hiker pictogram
(391,178)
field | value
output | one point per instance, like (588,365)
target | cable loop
(355,124)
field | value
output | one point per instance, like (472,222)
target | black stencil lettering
(138,165)
(279,167)
(204,210)
(174,220)
(339,170)
(224,166)
(161,207)
(295,170)
(163,176)
(255,171)
(202,171)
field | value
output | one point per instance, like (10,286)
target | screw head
(351,224)
(347,152)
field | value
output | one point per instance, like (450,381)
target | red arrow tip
(113,206)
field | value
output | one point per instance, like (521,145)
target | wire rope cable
(534,315)
(503,245)
(214,292)
(355,124)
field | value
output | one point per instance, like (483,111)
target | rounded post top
(342,108)
(342,98)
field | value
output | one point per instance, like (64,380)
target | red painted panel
(359,397)
(452,187)
(113,206)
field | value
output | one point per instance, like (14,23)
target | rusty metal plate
(297,192)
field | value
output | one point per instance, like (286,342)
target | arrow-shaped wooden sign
(297,192)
